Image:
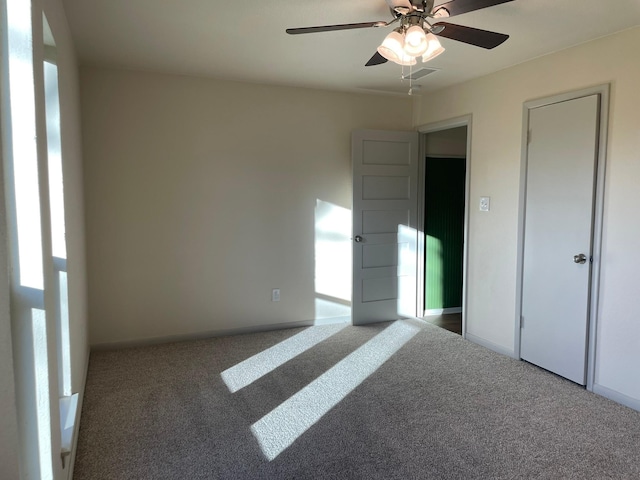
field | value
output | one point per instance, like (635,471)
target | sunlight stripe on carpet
(277,430)
(253,368)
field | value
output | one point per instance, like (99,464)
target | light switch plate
(485,203)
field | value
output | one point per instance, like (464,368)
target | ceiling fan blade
(331,28)
(377,59)
(472,36)
(458,7)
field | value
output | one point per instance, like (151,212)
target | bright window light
(330,309)
(333,250)
(407,254)
(277,430)
(65,343)
(43,406)
(56,205)
(56,185)
(23,144)
(250,370)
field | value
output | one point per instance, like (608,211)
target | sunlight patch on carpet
(253,368)
(277,430)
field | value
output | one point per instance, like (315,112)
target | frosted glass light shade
(415,41)
(434,49)
(392,49)
(406,60)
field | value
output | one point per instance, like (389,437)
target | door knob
(580,258)
(358,238)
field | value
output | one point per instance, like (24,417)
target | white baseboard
(332,320)
(617,396)
(76,429)
(442,311)
(490,345)
(143,342)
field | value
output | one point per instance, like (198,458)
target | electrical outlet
(484,204)
(275,295)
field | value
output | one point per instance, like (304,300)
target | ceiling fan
(415,35)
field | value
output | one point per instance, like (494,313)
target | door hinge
(528,137)
(521,321)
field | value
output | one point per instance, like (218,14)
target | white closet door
(561,166)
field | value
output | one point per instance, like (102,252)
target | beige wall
(202,196)
(496,103)
(451,142)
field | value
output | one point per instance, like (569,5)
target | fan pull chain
(410,78)
(403,77)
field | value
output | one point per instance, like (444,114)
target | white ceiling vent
(423,72)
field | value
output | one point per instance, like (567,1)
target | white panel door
(385,168)
(561,166)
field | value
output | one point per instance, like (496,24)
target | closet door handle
(581,258)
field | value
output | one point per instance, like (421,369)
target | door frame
(424,130)
(594,279)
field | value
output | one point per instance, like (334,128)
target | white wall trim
(463,121)
(598,227)
(76,429)
(616,396)
(9,430)
(456,122)
(143,342)
(491,346)
(603,92)
(458,157)
(442,311)
(422,166)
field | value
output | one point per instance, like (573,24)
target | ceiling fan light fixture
(415,41)
(406,60)
(433,50)
(391,47)
(415,36)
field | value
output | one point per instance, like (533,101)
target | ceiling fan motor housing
(406,7)
(427,5)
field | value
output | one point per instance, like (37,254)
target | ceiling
(246,40)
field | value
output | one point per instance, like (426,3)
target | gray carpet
(440,407)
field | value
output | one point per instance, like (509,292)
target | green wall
(444,230)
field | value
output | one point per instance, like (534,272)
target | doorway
(443,202)
(388,221)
